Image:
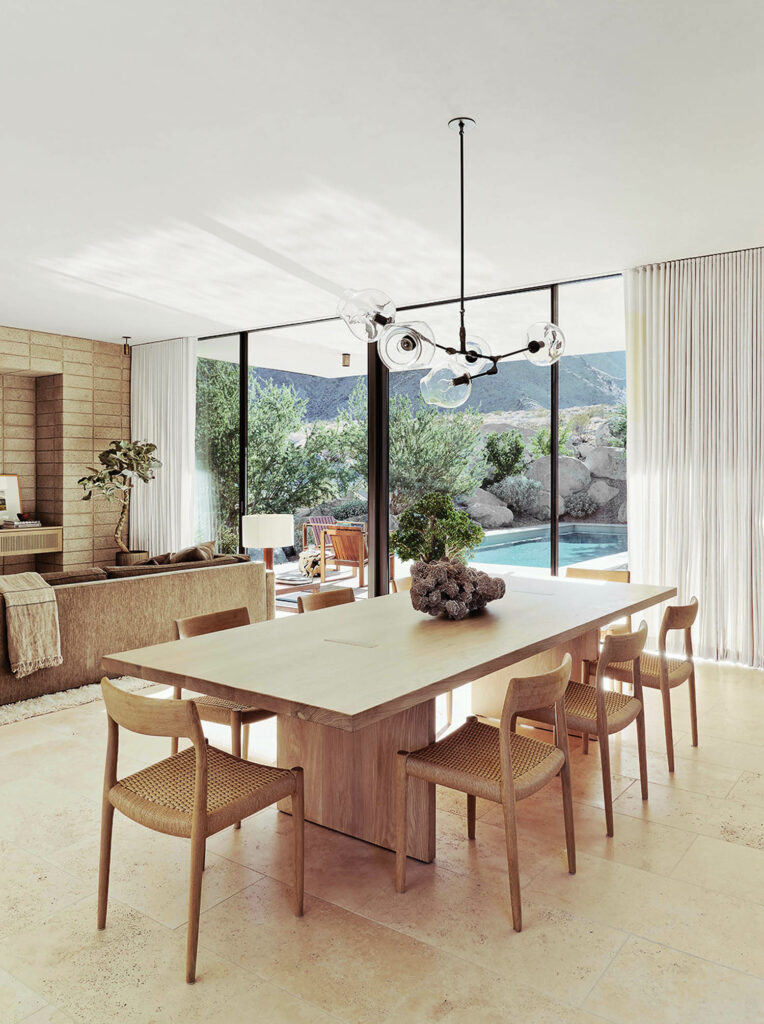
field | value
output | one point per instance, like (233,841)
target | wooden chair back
(607,575)
(621,647)
(212,622)
(531,692)
(349,542)
(398,586)
(679,616)
(152,716)
(328,599)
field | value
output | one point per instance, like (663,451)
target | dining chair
(496,764)
(401,586)
(602,712)
(217,709)
(193,794)
(325,599)
(664,673)
(608,576)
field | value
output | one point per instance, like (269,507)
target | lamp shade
(267,531)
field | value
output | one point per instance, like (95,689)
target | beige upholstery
(109,616)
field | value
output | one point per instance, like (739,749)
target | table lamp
(267,531)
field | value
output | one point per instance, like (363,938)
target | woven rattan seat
(469,760)
(162,795)
(581,709)
(679,671)
(208,706)
(193,794)
(497,764)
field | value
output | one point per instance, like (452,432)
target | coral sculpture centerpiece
(438,535)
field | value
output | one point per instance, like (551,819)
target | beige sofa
(112,615)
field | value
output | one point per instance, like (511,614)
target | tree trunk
(121,523)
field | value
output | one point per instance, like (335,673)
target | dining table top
(358,663)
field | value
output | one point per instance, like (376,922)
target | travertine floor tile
(665,910)
(649,982)
(33,888)
(749,789)
(49,1015)
(704,815)
(346,964)
(150,872)
(458,992)
(17,1002)
(724,867)
(557,953)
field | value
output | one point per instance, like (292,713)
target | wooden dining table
(352,685)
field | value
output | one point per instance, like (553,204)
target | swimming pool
(530,546)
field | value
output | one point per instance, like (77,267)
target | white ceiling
(185,168)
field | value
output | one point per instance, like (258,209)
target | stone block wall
(81,392)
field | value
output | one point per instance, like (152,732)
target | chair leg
(567,813)
(666,696)
(401,815)
(513,865)
(245,741)
(449,707)
(177,692)
(693,709)
(298,825)
(607,790)
(642,749)
(107,824)
(198,845)
(585,680)
(471,804)
(236,741)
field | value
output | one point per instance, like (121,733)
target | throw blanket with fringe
(31,623)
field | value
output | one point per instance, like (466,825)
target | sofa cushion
(57,579)
(117,572)
(156,559)
(197,553)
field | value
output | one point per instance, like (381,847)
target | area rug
(50,702)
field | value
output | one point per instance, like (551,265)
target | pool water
(576,545)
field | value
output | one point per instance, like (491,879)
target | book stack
(12,524)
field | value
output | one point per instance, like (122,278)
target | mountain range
(596,379)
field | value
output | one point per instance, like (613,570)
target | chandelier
(370,316)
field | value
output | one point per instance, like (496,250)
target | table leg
(350,776)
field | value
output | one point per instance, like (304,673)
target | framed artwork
(10,498)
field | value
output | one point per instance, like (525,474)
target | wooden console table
(31,540)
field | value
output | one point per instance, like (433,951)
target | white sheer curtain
(163,410)
(695,378)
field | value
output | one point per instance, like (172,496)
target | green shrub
(617,427)
(433,528)
(353,508)
(580,505)
(579,421)
(518,492)
(505,453)
(541,442)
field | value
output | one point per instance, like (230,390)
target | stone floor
(662,923)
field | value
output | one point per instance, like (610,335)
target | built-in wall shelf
(31,540)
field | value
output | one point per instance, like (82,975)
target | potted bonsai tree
(122,463)
(437,536)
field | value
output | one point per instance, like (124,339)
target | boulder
(622,513)
(572,474)
(607,462)
(542,508)
(601,492)
(602,435)
(485,508)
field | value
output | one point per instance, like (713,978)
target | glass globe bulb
(407,346)
(472,363)
(438,388)
(366,312)
(546,343)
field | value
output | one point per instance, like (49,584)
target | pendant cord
(462,333)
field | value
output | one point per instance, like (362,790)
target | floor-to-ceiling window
(592,425)
(497,456)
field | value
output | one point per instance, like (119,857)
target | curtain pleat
(163,411)
(695,388)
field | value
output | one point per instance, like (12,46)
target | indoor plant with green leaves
(122,463)
(438,536)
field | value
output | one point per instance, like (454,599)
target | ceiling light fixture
(370,316)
